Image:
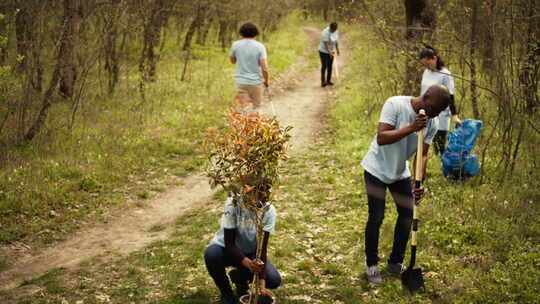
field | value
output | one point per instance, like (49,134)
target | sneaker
(374,275)
(329,83)
(395,268)
(242,286)
(323,84)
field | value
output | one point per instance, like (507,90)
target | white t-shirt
(243,220)
(445,78)
(248,54)
(327,36)
(389,163)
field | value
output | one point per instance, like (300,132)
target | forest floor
(298,101)
(478,241)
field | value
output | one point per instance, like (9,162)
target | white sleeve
(448,81)
(263,52)
(228,219)
(388,114)
(269,220)
(430,132)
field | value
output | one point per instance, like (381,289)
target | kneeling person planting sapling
(386,166)
(235,245)
(244,159)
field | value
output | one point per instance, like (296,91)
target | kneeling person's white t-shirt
(243,220)
(389,163)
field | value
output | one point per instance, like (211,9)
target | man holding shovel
(386,166)
(328,49)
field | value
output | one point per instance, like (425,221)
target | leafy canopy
(244,157)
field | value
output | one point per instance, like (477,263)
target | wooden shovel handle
(419,172)
(417,184)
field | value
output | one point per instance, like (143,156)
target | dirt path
(299,101)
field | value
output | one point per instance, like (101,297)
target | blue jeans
(376,192)
(216,261)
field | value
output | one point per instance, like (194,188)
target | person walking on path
(386,166)
(250,58)
(437,73)
(234,244)
(328,49)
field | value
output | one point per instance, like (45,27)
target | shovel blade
(412,279)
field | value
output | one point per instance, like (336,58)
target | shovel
(336,65)
(412,278)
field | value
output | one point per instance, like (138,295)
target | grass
(121,150)
(478,241)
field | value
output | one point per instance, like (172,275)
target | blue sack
(458,160)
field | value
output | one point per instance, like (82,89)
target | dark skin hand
(387,134)
(255,266)
(417,193)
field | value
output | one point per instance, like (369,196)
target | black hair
(248,30)
(429,53)
(439,95)
(333,26)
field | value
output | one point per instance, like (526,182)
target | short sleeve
(334,36)
(269,220)
(431,130)
(388,114)
(326,35)
(448,81)
(228,219)
(263,52)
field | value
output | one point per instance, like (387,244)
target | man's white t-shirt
(327,36)
(445,78)
(243,220)
(389,163)
(248,54)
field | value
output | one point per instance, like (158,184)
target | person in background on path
(234,244)
(386,166)
(436,73)
(328,49)
(250,58)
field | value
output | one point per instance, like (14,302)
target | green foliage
(119,147)
(90,184)
(244,158)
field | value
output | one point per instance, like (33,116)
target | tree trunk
(222,34)
(45,105)
(67,56)
(531,66)
(420,19)
(204,32)
(193,27)
(472,56)
(112,55)
(152,35)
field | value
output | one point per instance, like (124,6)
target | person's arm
(419,192)
(233,59)
(328,46)
(387,134)
(236,255)
(264,67)
(231,250)
(337,48)
(453,110)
